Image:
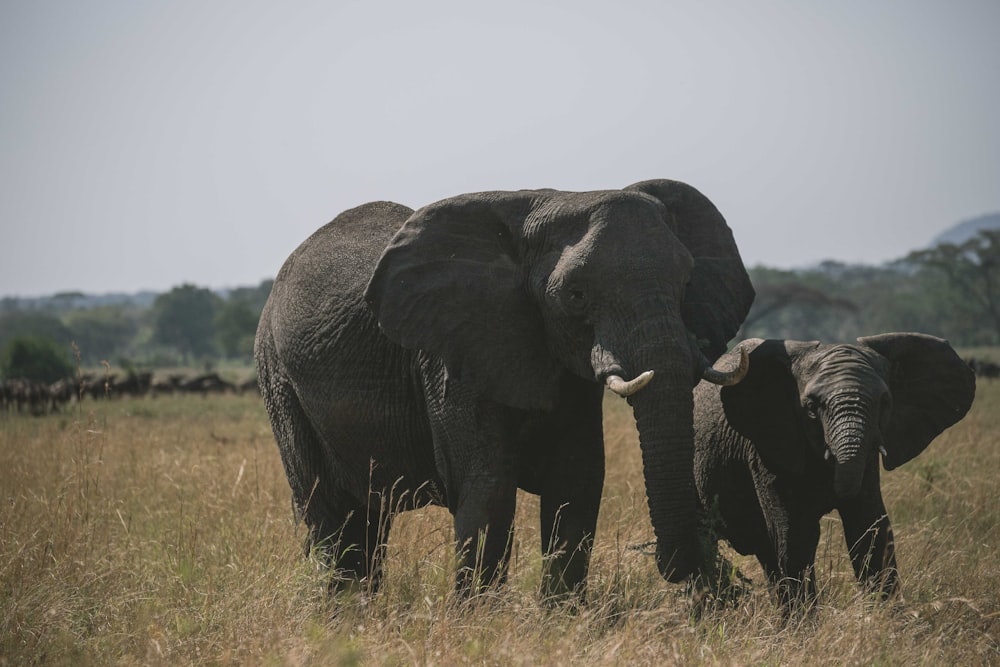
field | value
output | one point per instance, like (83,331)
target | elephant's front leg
(484,519)
(798,586)
(793,535)
(474,455)
(571,487)
(870,543)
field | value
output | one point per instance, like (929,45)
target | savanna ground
(160,531)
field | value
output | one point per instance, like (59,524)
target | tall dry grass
(160,532)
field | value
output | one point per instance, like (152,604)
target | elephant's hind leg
(315,497)
(357,549)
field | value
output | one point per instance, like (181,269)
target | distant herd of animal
(38,398)
(984,368)
(454,354)
(20,395)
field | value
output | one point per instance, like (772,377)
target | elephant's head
(892,393)
(513,289)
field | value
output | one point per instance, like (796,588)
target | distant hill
(964,231)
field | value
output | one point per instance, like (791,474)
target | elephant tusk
(827,454)
(881,450)
(728,378)
(624,389)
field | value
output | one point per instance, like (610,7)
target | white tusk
(881,449)
(624,389)
(827,455)
(728,378)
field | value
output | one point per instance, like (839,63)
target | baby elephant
(802,435)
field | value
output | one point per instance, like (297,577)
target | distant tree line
(185,326)
(952,291)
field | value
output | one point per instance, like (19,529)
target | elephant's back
(341,255)
(320,287)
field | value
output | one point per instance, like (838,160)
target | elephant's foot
(482,565)
(718,583)
(797,596)
(474,583)
(882,586)
(564,575)
(557,593)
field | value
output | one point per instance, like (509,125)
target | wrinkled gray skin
(454,354)
(762,465)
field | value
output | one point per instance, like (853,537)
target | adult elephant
(453,354)
(801,436)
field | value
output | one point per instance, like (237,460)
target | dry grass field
(160,531)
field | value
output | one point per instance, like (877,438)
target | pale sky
(147,144)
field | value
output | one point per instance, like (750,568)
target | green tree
(235,328)
(184,318)
(35,358)
(254,297)
(102,333)
(972,269)
(30,323)
(787,302)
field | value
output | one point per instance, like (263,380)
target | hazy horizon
(228,287)
(149,145)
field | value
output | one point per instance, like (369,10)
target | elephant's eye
(576,299)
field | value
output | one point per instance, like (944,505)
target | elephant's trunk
(664,413)
(663,417)
(850,438)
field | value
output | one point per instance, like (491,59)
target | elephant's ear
(932,388)
(451,283)
(719,294)
(764,407)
